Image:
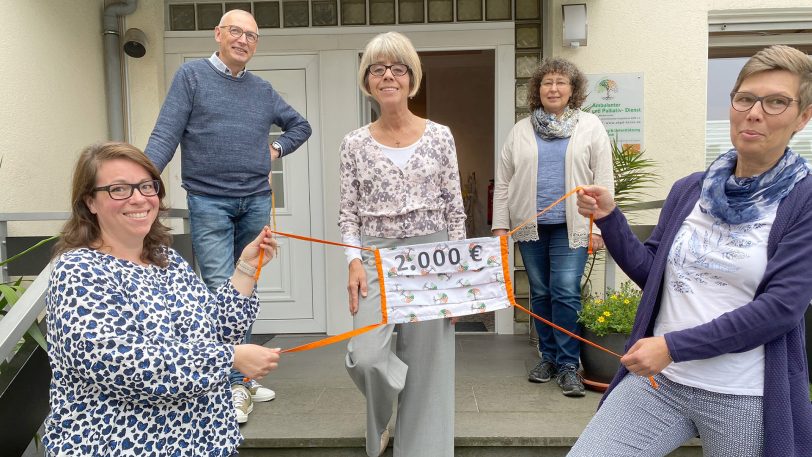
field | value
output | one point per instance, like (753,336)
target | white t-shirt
(398,156)
(714,268)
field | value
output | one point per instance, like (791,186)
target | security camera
(135,43)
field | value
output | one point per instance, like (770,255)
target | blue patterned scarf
(739,200)
(550,127)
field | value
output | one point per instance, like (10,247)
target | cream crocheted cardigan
(588,161)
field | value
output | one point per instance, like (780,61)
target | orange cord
(508,288)
(510,233)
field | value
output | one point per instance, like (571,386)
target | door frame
(308,61)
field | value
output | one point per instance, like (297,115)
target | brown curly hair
(562,67)
(82,228)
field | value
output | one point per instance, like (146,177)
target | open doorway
(458,90)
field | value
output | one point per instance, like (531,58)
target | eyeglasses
(550,84)
(237,32)
(123,191)
(379,69)
(771,104)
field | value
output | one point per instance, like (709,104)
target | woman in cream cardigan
(555,149)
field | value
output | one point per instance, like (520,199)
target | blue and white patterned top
(140,357)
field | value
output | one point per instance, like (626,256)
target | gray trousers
(420,374)
(639,421)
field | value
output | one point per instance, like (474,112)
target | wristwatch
(278,147)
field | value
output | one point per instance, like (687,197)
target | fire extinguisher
(490,202)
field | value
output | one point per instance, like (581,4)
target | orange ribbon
(506,274)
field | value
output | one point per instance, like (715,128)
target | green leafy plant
(612,312)
(11,292)
(632,173)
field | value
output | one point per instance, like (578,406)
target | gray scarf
(550,127)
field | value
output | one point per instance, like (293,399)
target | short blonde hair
(397,48)
(780,57)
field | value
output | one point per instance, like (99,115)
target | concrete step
(459,451)
(318,411)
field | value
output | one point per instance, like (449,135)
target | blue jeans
(221,228)
(554,272)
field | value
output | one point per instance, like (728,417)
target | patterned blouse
(382,200)
(140,357)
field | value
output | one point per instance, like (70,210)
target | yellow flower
(607,313)
(598,301)
(613,297)
(626,301)
(601,319)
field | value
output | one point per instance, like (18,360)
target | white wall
(667,41)
(52,93)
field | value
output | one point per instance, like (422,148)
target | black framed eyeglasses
(379,69)
(237,32)
(123,191)
(771,104)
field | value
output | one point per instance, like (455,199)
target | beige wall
(52,93)
(667,41)
(145,76)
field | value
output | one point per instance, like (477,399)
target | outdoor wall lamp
(135,43)
(574,24)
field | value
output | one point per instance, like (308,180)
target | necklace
(389,135)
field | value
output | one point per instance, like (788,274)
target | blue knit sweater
(775,317)
(222,124)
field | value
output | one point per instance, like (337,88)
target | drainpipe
(112,66)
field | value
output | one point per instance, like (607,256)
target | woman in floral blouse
(399,186)
(140,350)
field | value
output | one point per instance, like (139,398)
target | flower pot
(600,367)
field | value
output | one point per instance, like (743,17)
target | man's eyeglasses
(237,32)
(123,191)
(379,69)
(770,104)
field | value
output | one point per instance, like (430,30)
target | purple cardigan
(775,318)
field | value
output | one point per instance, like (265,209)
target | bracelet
(246,268)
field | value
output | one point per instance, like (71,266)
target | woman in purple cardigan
(726,282)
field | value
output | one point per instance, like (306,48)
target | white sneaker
(259,392)
(243,405)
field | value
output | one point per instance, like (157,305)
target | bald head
(232,35)
(234,14)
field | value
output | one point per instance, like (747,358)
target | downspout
(112,66)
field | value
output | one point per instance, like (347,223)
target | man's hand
(274,152)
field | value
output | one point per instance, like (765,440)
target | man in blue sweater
(221,115)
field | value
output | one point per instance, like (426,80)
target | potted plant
(607,320)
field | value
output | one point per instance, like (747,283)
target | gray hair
(780,57)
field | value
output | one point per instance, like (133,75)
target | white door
(291,288)
(291,301)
